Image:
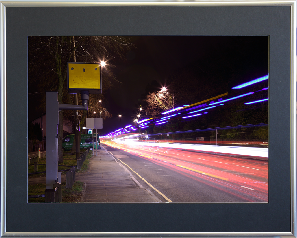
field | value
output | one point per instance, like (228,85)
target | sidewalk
(109,181)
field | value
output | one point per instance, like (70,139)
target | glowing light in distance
(251,82)
(263,100)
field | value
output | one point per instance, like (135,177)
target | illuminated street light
(120,115)
(100,100)
(163,89)
(103,63)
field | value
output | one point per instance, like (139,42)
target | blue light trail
(229,99)
(202,109)
(196,115)
(251,82)
(262,100)
(193,110)
(172,110)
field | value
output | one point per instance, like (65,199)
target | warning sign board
(84,76)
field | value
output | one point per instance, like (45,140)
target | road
(185,176)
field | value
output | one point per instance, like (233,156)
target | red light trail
(242,176)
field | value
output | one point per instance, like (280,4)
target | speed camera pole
(81,78)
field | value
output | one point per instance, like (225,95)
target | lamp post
(102,65)
(164,91)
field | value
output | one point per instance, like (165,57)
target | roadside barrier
(70,174)
(55,194)
(82,159)
(70,177)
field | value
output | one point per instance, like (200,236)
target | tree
(158,102)
(48,57)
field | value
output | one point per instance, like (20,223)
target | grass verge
(72,195)
(36,191)
(68,195)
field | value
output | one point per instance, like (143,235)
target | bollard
(38,154)
(58,192)
(49,195)
(73,174)
(83,157)
(69,179)
(35,165)
(78,164)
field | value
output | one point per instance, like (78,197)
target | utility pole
(52,123)
(80,73)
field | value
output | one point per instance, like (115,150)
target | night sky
(224,61)
(204,65)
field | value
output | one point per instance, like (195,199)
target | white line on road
(166,198)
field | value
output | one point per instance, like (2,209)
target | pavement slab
(108,181)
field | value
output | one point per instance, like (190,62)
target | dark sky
(228,61)
(215,63)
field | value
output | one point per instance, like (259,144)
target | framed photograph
(241,43)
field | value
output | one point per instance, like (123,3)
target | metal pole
(101,78)
(216,136)
(52,121)
(93,141)
(96,143)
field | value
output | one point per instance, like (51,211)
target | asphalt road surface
(184,176)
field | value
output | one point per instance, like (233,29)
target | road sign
(94,123)
(84,76)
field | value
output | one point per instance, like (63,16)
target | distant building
(67,125)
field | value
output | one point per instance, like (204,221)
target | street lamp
(163,91)
(103,63)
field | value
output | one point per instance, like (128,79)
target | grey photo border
(4,122)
